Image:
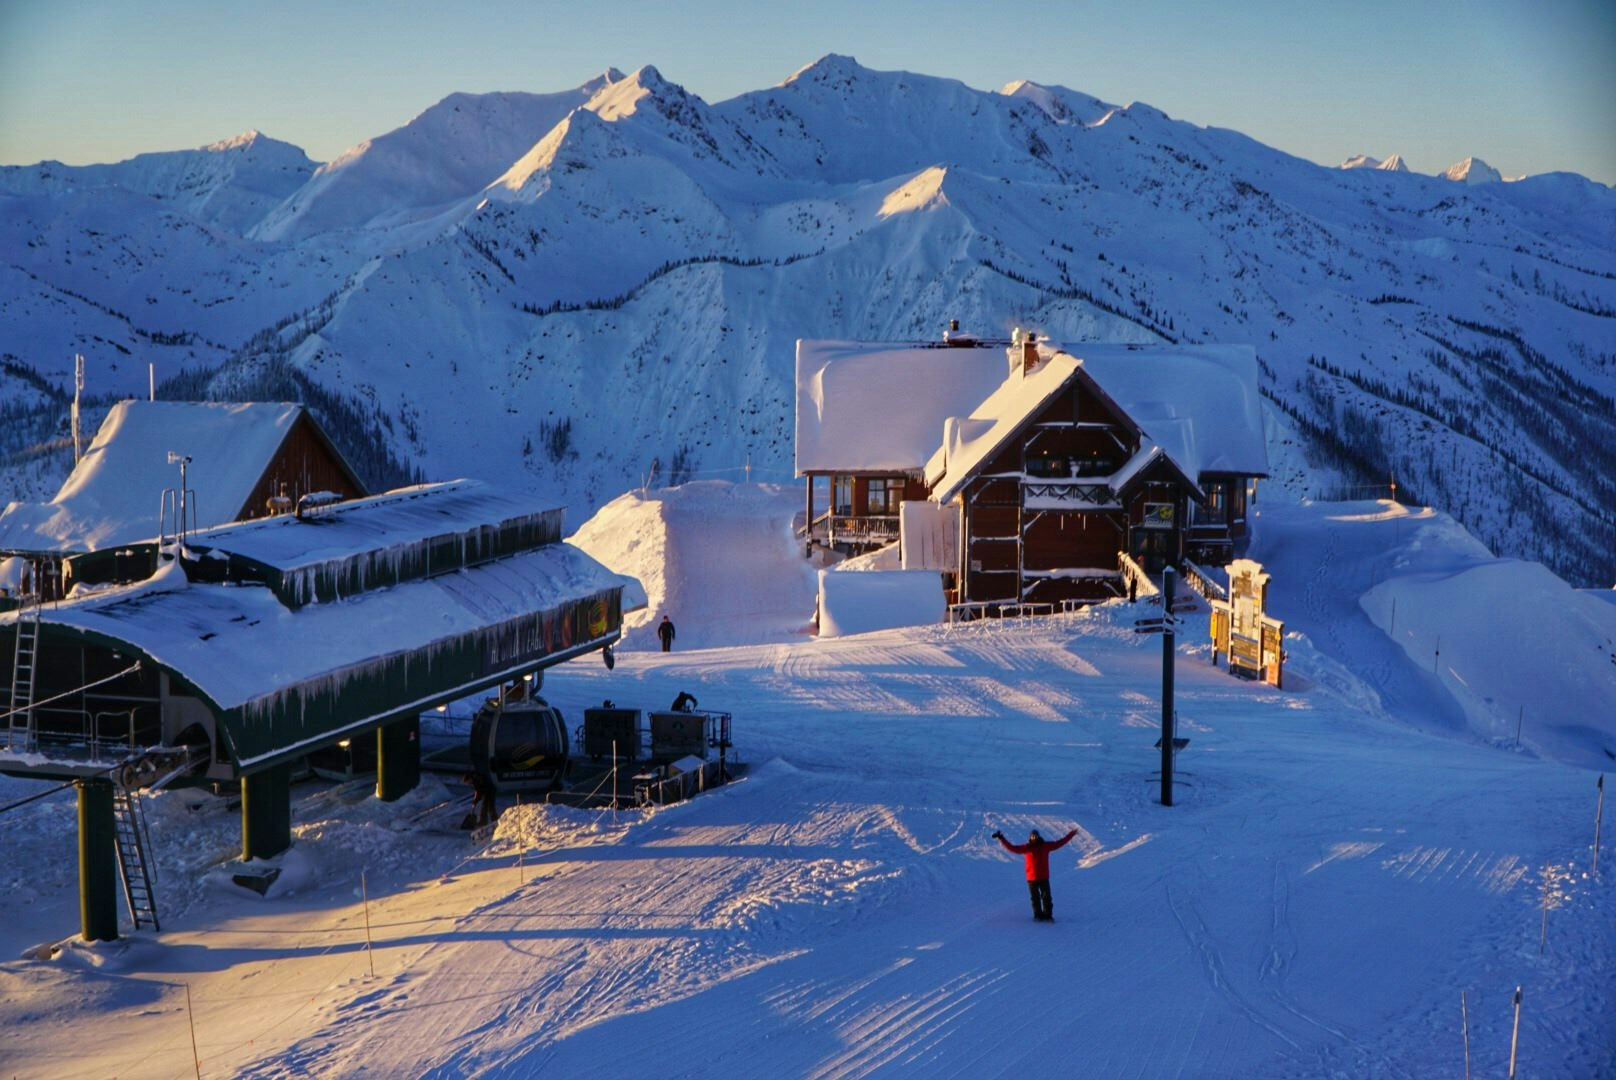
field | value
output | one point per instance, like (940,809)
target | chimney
(1023,351)
(953,337)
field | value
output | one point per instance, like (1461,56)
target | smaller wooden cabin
(240,460)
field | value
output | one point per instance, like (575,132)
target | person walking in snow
(482,801)
(1037,850)
(665,631)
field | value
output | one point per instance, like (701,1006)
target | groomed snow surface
(1345,859)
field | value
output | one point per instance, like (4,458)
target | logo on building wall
(1157,516)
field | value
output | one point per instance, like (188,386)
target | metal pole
(364,895)
(98,861)
(1599,814)
(1514,1038)
(1168,642)
(1464,1030)
(190,1015)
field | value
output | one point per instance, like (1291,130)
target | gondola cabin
(520,743)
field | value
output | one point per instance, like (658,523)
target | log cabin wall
(304,463)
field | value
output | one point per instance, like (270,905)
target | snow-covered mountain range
(588,289)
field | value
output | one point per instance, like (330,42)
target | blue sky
(1528,86)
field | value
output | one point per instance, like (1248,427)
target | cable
(131,669)
(39,795)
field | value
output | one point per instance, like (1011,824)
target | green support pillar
(266,812)
(398,757)
(98,861)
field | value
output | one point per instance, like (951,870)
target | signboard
(1273,653)
(1252,640)
(1157,516)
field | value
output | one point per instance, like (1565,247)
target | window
(841,496)
(1215,512)
(885,495)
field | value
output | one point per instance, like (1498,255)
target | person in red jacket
(1037,850)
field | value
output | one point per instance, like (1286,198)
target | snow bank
(878,600)
(718,558)
(1512,643)
(539,825)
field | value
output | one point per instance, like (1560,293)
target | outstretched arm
(1063,841)
(1017,849)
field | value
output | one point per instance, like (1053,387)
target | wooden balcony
(854,530)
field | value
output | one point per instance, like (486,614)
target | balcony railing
(831,528)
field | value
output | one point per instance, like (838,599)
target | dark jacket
(1037,853)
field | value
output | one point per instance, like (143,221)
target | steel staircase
(133,844)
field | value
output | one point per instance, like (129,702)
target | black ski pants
(1043,906)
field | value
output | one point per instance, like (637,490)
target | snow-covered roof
(970,440)
(239,643)
(877,407)
(1198,402)
(373,542)
(114,494)
(873,407)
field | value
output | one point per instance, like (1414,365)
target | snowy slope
(448,153)
(620,292)
(1333,875)
(231,183)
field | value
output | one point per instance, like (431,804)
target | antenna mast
(78,388)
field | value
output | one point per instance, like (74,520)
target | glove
(998,836)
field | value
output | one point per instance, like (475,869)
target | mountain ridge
(619,298)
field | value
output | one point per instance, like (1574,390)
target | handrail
(1200,579)
(1134,575)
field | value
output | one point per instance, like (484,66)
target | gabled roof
(114,494)
(970,441)
(880,407)
(871,407)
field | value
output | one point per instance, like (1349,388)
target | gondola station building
(250,644)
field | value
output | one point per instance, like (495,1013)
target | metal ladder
(133,842)
(20,735)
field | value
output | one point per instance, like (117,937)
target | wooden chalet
(242,461)
(1049,475)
